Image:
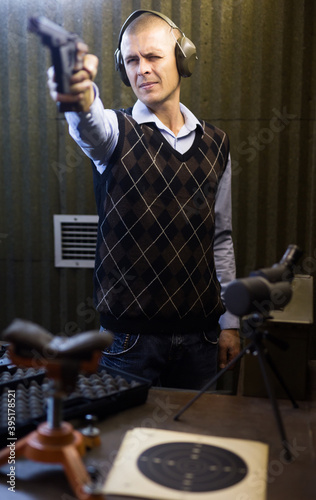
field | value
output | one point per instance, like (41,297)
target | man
(162,186)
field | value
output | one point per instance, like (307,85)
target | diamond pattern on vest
(155,252)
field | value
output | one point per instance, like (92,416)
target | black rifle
(67,50)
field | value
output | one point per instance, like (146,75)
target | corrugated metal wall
(255,78)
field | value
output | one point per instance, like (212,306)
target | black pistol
(67,50)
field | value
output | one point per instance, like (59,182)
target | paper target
(168,465)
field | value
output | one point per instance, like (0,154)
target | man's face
(150,63)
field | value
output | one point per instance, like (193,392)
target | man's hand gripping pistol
(67,50)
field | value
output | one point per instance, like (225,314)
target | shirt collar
(142,114)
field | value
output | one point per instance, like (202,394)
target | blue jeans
(186,361)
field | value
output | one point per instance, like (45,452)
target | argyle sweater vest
(154,269)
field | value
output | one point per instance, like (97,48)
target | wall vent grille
(75,239)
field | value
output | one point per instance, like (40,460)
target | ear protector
(185,50)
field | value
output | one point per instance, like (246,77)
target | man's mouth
(147,85)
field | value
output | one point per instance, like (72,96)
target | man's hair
(149,20)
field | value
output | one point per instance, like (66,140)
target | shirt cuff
(229,321)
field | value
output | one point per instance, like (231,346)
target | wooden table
(212,414)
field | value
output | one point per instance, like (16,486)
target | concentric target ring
(192,466)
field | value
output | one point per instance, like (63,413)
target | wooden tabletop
(213,415)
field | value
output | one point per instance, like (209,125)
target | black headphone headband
(185,49)
(138,13)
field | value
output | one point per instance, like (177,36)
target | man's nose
(143,66)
